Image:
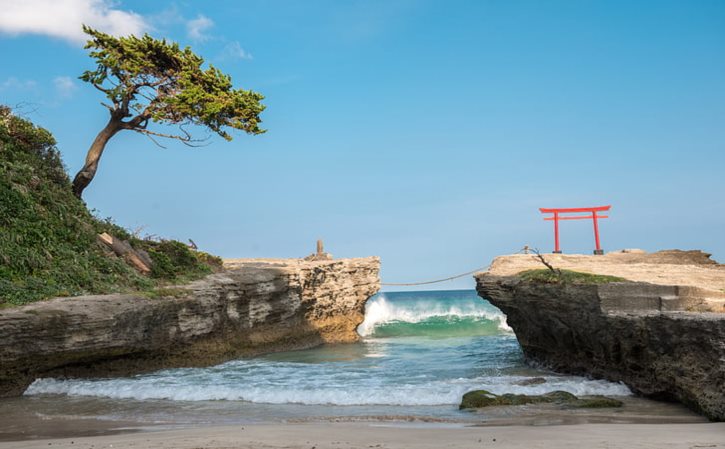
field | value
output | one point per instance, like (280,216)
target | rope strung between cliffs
(525,250)
(407,284)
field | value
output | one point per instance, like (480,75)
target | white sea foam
(379,311)
(438,392)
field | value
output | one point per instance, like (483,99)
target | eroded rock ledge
(664,338)
(254,306)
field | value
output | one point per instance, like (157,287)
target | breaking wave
(428,317)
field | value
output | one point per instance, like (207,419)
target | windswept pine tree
(147,80)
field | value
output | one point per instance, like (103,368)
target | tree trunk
(86,174)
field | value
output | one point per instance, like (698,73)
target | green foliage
(214,262)
(48,237)
(172,259)
(567,277)
(156,80)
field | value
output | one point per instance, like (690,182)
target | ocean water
(420,352)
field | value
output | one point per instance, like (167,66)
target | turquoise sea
(420,352)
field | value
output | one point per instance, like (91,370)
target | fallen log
(139,260)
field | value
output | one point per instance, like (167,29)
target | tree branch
(155,141)
(138,122)
(551,268)
(149,98)
(104,90)
(186,139)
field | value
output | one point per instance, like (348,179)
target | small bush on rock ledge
(567,277)
(172,259)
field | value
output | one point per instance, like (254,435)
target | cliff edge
(660,329)
(253,306)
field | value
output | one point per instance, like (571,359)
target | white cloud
(64,18)
(234,50)
(64,86)
(196,28)
(13,83)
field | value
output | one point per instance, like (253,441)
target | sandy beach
(394,435)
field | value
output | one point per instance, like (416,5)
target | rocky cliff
(253,306)
(665,341)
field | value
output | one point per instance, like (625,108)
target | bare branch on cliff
(556,271)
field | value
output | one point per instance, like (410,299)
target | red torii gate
(594,217)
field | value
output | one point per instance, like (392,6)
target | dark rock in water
(559,396)
(483,398)
(531,381)
(478,399)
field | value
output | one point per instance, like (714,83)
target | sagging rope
(400,284)
(525,250)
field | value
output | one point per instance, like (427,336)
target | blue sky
(426,132)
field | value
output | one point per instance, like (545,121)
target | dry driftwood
(139,259)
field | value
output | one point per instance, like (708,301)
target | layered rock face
(663,341)
(253,306)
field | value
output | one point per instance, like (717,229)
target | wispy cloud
(65,87)
(167,17)
(13,83)
(196,28)
(64,18)
(234,50)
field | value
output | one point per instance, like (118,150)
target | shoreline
(402,435)
(32,420)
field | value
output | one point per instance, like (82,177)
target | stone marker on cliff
(320,253)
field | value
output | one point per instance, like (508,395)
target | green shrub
(173,260)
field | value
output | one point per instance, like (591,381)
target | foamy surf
(422,351)
(439,392)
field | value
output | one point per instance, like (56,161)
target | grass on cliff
(567,277)
(48,242)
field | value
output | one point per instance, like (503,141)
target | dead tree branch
(551,268)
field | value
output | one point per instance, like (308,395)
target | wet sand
(36,418)
(640,423)
(404,435)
